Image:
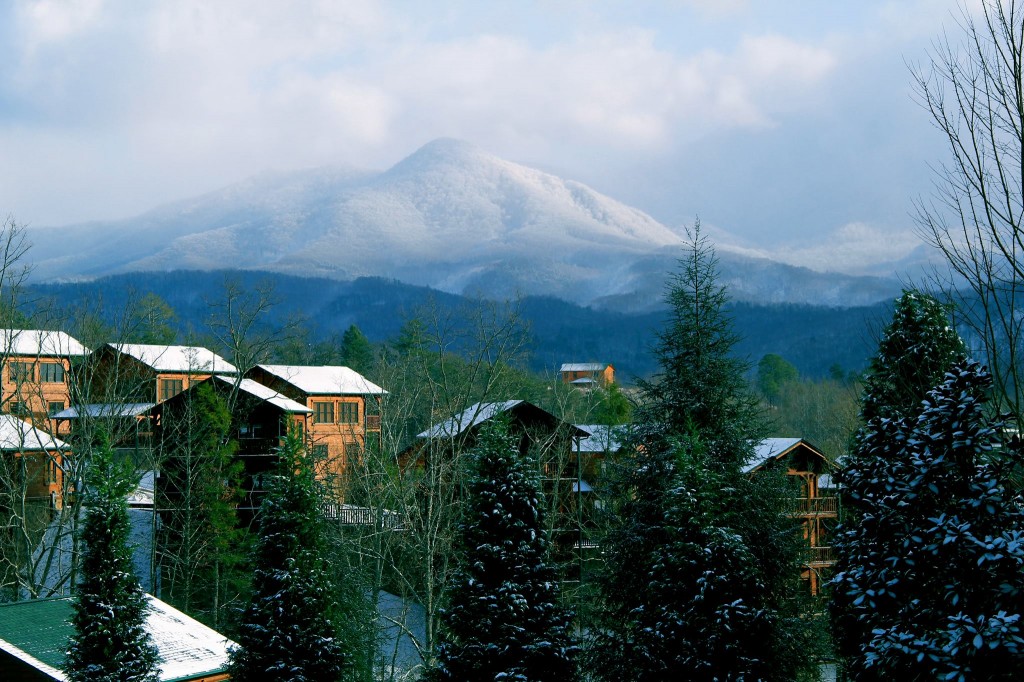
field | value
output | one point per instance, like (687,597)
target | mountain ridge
(450,216)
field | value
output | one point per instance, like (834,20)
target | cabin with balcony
(345,408)
(33,459)
(587,375)
(148,373)
(34,637)
(35,378)
(813,502)
(260,419)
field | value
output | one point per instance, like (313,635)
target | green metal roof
(39,628)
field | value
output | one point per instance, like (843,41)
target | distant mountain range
(450,216)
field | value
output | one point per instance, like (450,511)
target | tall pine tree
(288,631)
(699,581)
(504,621)
(931,585)
(111,643)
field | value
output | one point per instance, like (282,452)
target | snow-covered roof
(583,381)
(468,418)
(325,379)
(600,438)
(37,633)
(768,449)
(267,395)
(104,410)
(184,359)
(39,343)
(583,367)
(17,434)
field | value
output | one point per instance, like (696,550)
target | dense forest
(814,339)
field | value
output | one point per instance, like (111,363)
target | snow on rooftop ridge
(268,395)
(768,449)
(187,647)
(468,418)
(39,342)
(17,434)
(177,358)
(583,367)
(325,379)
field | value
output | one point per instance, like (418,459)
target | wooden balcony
(820,556)
(814,506)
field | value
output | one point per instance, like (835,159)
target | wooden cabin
(34,637)
(260,420)
(148,373)
(586,375)
(35,381)
(813,502)
(33,458)
(345,408)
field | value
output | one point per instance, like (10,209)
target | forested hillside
(813,338)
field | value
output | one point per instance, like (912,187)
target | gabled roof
(467,419)
(104,410)
(19,435)
(37,633)
(183,359)
(776,448)
(39,343)
(324,379)
(601,438)
(584,367)
(267,395)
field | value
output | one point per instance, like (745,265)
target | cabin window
(51,373)
(319,453)
(170,388)
(54,407)
(16,407)
(348,413)
(22,371)
(51,470)
(323,413)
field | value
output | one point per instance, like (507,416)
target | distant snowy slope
(449,216)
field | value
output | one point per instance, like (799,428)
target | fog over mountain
(450,216)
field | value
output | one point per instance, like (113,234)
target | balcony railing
(803,506)
(350,515)
(821,555)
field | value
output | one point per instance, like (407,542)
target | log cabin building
(34,459)
(36,373)
(587,375)
(814,504)
(344,405)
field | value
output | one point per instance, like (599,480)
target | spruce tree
(931,585)
(356,351)
(699,580)
(288,632)
(917,348)
(504,621)
(110,642)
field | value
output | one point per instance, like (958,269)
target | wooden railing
(821,555)
(349,515)
(802,506)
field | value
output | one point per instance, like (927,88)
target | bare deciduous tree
(974,93)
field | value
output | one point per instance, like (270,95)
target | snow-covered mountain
(449,216)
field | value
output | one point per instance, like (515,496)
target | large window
(22,371)
(348,413)
(170,388)
(54,407)
(51,373)
(323,413)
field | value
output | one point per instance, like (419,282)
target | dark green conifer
(111,643)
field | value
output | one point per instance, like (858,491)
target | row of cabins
(52,384)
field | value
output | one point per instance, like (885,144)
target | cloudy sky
(789,124)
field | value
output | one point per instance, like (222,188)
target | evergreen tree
(699,580)
(931,584)
(288,632)
(111,642)
(774,372)
(917,348)
(504,621)
(356,351)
